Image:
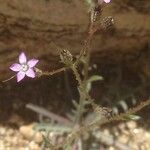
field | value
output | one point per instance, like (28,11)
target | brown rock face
(33,26)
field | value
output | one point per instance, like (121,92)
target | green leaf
(70,116)
(52,127)
(132,117)
(95,78)
(92,79)
(88,87)
(76,105)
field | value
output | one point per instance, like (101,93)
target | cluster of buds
(96,14)
(97,9)
(66,57)
(107,22)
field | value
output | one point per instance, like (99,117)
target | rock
(28,133)
(131,125)
(2,131)
(34,146)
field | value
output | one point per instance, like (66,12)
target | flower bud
(66,57)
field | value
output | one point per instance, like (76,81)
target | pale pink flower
(101,1)
(24,67)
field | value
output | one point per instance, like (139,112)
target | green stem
(92,30)
(78,117)
(77,75)
(47,73)
(82,84)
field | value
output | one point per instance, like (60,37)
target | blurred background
(121,55)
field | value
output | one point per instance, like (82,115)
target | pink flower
(101,1)
(24,67)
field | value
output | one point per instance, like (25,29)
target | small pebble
(29,133)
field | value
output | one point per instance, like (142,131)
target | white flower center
(24,67)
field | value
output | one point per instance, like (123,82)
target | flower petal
(101,1)
(107,1)
(20,76)
(15,67)
(22,58)
(30,73)
(31,63)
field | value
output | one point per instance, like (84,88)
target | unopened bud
(107,22)
(66,57)
(38,72)
(96,13)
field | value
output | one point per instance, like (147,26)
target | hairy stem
(92,125)
(53,72)
(76,74)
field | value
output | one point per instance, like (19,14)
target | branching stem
(47,73)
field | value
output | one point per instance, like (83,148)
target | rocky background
(34,25)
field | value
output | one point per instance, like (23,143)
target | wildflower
(24,67)
(101,1)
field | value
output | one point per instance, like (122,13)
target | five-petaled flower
(24,67)
(101,1)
